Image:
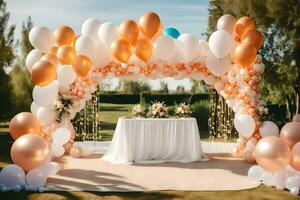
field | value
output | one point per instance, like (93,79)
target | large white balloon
(102,54)
(165,47)
(33,56)
(203,47)
(41,38)
(36,178)
(268,128)
(191,46)
(227,23)
(108,32)
(44,96)
(65,75)
(61,136)
(220,43)
(178,56)
(11,176)
(90,27)
(255,173)
(46,115)
(217,66)
(85,46)
(244,124)
(34,108)
(57,150)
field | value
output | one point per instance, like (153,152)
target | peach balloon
(64,35)
(81,65)
(68,147)
(296,118)
(295,160)
(121,50)
(253,37)
(143,49)
(272,153)
(249,157)
(24,123)
(66,54)
(290,133)
(243,25)
(29,151)
(129,31)
(244,54)
(53,50)
(50,58)
(76,152)
(43,72)
(149,24)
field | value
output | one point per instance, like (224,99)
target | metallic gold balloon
(50,58)
(43,72)
(29,151)
(76,152)
(295,160)
(81,65)
(290,133)
(149,24)
(243,25)
(64,35)
(24,123)
(143,49)
(66,54)
(244,54)
(253,37)
(121,50)
(53,50)
(272,153)
(129,31)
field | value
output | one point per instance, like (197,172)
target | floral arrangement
(158,110)
(138,111)
(63,107)
(183,110)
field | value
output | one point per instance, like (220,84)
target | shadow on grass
(107,125)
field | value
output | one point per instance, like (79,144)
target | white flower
(266,110)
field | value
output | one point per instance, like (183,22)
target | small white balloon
(165,47)
(34,108)
(220,43)
(268,128)
(33,56)
(203,47)
(256,173)
(65,75)
(102,54)
(191,46)
(49,168)
(85,46)
(46,115)
(57,150)
(244,124)
(295,191)
(41,38)
(227,23)
(90,27)
(61,136)
(217,66)
(36,178)
(108,32)
(44,96)
(12,175)
(292,181)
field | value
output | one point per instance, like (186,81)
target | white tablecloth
(155,140)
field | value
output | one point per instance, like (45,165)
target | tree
(133,87)
(164,87)
(6,58)
(198,87)
(180,89)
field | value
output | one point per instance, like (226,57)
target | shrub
(200,112)
(119,98)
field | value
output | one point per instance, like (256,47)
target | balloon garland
(66,69)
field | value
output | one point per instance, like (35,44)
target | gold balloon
(149,24)
(24,123)
(121,50)
(244,54)
(253,37)
(243,25)
(272,153)
(290,133)
(143,49)
(66,54)
(50,58)
(43,72)
(64,35)
(29,151)
(129,31)
(76,152)
(81,65)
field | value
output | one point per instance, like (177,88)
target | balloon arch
(66,70)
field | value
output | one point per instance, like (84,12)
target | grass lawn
(109,116)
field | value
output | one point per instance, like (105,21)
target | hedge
(119,98)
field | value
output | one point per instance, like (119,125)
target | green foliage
(120,98)
(180,89)
(163,87)
(200,112)
(133,87)
(198,87)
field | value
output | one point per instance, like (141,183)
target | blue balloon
(173,32)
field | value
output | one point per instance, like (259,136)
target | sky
(188,16)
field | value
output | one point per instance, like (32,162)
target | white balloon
(102,54)
(57,150)
(268,128)
(33,56)
(41,38)
(49,168)
(108,32)
(203,47)
(12,175)
(85,46)
(217,66)
(268,179)
(220,43)
(165,47)
(46,115)
(61,136)
(178,56)
(292,181)
(44,96)
(295,191)
(36,178)
(260,68)
(255,173)
(191,46)
(90,27)
(225,24)
(34,108)
(244,124)
(65,75)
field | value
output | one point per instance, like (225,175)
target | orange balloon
(121,50)
(243,25)
(64,35)
(290,133)
(29,151)
(43,72)
(253,37)
(24,123)
(244,54)
(143,49)
(159,32)
(66,54)
(53,50)
(81,65)
(129,31)
(76,152)
(50,58)
(272,153)
(149,24)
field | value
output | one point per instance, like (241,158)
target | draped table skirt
(155,140)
